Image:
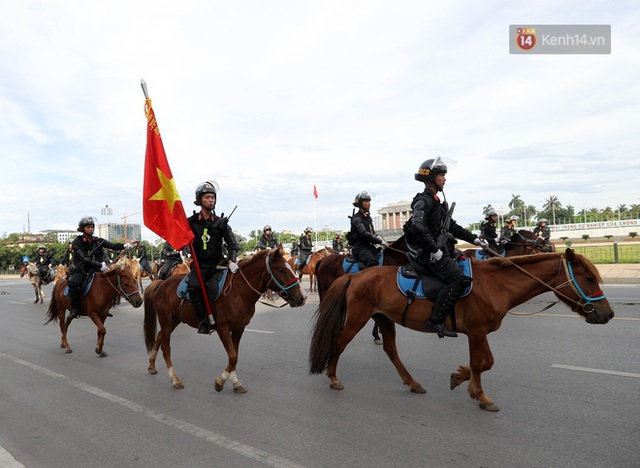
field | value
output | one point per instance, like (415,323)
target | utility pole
(124,224)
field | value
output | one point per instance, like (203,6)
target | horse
(310,267)
(33,274)
(522,242)
(232,311)
(117,281)
(500,284)
(139,272)
(59,273)
(331,268)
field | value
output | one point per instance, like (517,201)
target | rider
(488,232)
(87,259)
(542,231)
(44,262)
(67,257)
(362,237)
(295,249)
(306,246)
(424,229)
(267,239)
(140,252)
(338,245)
(169,257)
(210,231)
(509,230)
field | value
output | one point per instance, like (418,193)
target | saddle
(422,286)
(351,265)
(84,287)
(482,254)
(214,285)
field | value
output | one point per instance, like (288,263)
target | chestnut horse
(59,273)
(33,275)
(310,267)
(118,281)
(499,285)
(232,311)
(139,272)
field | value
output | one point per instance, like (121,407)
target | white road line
(259,331)
(14,302)
(7,460)
(575,316)
(597,371)
(217,439)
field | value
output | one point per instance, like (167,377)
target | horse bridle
(120,290)
(283,288)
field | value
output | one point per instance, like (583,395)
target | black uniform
(140,252)
(267,242)
(306,246)
(67,259)
(43,261)
(507,232)
(169,257)
(208,250)
(88,255)
(488,231)
(338,246)
(544,232)
(294,248)
(423,231)
(363,239)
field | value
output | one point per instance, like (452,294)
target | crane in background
(124,223)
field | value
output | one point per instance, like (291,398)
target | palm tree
(487,208)
(552,204)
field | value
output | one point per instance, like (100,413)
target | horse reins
(283,288)
(119,289)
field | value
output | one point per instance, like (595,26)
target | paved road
(568,391)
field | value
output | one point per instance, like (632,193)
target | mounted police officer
(509,230)
(306,246)
(267,239)
(338,245)
(424,229)
(88,257)
(44,262)
(295,249)
(210,232)
(169,257)
(140,252)
(489,233)
(543,231)
(362,237)
(67,257)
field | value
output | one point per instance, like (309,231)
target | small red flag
(315,191)
(162,208)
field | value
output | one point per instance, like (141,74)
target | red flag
(162,208)
(315,191)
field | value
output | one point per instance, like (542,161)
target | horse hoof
(152,371)
(68,351)
(218,384)
(102,354)
(418,389)
(337,386)
(178,385)
(491,407)
(377,341)
(239,389)
(452,382)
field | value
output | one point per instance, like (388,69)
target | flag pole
(203,288)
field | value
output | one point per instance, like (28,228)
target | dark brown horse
(118,281)
(310,267)
(232,311)
(499,284)
(522,242)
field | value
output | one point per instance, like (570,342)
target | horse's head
(127,284)
(583,287)
(23,269)
(283,280)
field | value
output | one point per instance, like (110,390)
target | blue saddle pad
(433,286)
(184,294)
(351,266)
(483,254)
(87,286)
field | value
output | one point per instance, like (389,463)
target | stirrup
(441,330)
(204,328)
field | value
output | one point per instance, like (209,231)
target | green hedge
(602,254)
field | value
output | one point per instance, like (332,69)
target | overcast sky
(269,98)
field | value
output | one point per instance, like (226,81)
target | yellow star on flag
(167,192)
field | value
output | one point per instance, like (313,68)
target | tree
(551,205)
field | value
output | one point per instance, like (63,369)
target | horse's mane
(528,259)
(259,255)
(527,234)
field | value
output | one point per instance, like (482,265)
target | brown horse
(499,285)
(118,281)
(33,275)
(310,267)
(232,311)
(60,272)
(138,272)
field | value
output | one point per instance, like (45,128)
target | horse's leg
(164,341)
(481,359)
(224,333)
(376,335)
(357,318)
(388,329)
(64,327)
(35,289)
(102,331)
(230,371)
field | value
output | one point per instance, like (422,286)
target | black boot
(197,301)
(74,302)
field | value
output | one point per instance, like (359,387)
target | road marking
(597,371)
(14,302)
(7,460)
(213,437)
(575,316)
(259,331)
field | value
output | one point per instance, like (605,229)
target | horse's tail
(150,324)
(52,311)
(318,282)
(329,320)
